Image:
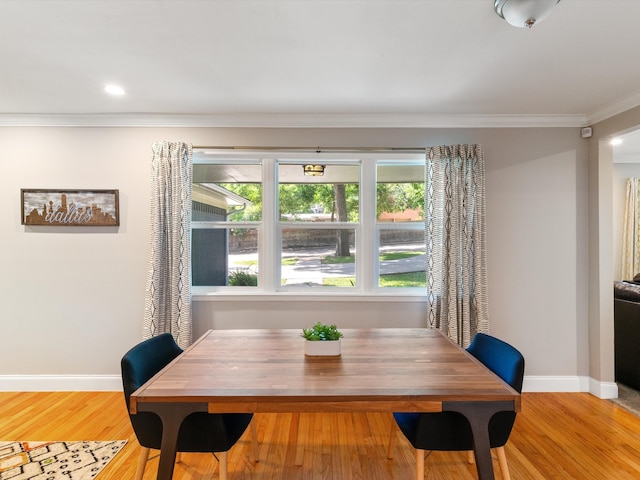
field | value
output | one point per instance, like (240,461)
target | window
(282,222)
(400,224)
(318,219)
(225,224)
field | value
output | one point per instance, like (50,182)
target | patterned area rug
(55,460)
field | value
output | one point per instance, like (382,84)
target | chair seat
(450,431)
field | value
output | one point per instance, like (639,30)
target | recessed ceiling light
(114,90)
(616,141)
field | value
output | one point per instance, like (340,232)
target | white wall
(74,298)
(600,236)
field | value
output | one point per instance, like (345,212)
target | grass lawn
(409,279)
(385,257)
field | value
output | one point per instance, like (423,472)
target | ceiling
(326,63)
(320,62)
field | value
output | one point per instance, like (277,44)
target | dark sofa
(626,314)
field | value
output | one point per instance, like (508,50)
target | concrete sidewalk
(310,271)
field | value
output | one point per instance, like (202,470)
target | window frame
(367,229)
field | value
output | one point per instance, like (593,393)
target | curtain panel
(168,292)
(630,231)
(455,240)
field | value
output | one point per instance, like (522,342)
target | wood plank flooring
(556,436)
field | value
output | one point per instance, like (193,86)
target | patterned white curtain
(455,241)
(168,295)
(631,231)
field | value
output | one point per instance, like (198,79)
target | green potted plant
(322,340)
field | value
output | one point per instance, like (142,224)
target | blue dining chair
(200,432)
(450,431)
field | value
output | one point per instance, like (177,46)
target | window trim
(367,229)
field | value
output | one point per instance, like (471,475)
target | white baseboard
(111,383)
(539,383)
(603,389)
(60,383)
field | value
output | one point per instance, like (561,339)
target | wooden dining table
(379,370)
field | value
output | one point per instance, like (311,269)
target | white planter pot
(322,348)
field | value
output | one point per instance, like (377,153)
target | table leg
(478,414)
(172,416)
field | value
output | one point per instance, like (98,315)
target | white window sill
(288,296)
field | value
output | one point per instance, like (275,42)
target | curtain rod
(319,149)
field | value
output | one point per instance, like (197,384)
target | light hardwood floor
(556,436)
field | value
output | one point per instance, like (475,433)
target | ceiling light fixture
(616,141)
(524,13)
(114,90)
(313,170)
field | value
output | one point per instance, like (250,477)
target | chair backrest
(200,431)
(145,360)
(500,357)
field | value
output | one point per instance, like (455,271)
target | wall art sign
(70,207)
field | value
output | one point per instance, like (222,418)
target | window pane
(400,193)
(402,258)
(400,199)
(224,256)
(330,197)
(318,258)
(227,192)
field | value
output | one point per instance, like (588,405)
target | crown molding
(616,108)
(291,120)
(305,120)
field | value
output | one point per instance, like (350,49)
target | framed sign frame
(67,208)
